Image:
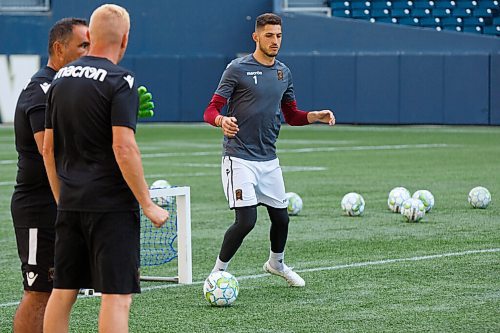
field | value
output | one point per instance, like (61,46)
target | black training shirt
(32,188)
(87,98)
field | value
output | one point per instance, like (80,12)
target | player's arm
(212,116)
(295,117)
(50,162)
(128,157)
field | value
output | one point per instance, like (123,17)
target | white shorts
(249,183)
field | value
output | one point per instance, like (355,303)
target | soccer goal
(160,246)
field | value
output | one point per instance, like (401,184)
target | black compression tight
(279,228)
(245,219)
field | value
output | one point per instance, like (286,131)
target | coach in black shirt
(95,172)
(33,207)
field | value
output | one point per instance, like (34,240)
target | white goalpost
(158,244)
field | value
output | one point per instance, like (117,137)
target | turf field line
(293,150)
(318,269)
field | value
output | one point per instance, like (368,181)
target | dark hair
(267,18)
(62,29)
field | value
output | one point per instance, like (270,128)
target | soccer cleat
(293,279)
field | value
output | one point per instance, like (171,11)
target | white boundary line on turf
(318,269)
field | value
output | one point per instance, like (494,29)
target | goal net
(161,247)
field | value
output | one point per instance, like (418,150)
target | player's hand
(156,214)
(146,104)
(323,116)
(229,126)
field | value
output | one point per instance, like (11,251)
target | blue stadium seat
(402,4)
(340,5)
(467,4)
(462,12)
(441,12)
(360,5)
(424,4)
(409,21)
(361,14)
(489,3)
(446,4)
(381,5)
(384,19)
(451,21)
(421,12)
(430,21)
(496,20)
(475,29)
(342,13)
(492,30)
(399,12)
(452,28)
(477,21)
(380,12)
(484,12)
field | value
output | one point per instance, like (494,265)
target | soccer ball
(353,204)
(479,197)
(161,201)
(221,288)
(426,197)
(294,203)
(160,183)
(413,210)
(397,196)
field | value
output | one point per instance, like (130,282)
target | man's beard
(267,53)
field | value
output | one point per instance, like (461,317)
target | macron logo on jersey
(254,73)
(79,71)
(130,80)
(45,87)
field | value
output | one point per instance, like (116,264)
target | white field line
(319,269)
(297,150)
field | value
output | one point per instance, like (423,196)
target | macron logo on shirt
(45,87)
(130,80)
(254,73)
(80,71)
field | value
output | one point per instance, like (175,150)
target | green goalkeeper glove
(146,104)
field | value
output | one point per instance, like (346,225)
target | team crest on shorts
(239,194)
(51,274)
(280,74)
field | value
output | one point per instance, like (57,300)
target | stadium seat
(430,21)
(409,20)
(402,4)
(496,20)
(489,3)
(380,12)
(467,4)
(401,12)
(421,12)
(360,5)
(492,30)
(474,29)
(452,21)
(452,28)
(446,4)
(361,14)
(484,12)
(477,21)
(342,13)
(424,4)
(441,12)
(381,5)
(340,5)
(462,12)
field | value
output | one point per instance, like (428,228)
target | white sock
(220,265)
(276,260)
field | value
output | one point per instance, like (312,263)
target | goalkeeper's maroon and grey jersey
(32,186)
(255,93)
(87,98)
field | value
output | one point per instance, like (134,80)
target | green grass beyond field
(369,274)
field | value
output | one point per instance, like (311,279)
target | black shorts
(98,251)
(35,247)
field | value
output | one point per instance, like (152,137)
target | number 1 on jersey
(255,78)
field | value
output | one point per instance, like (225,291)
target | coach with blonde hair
(95,172)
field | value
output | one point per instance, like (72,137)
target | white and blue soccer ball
(160,183)
(161,201)
(397,196)
(353,204)
(413,210)
(479,197)
(426,197)
(221,288)
(294,203)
